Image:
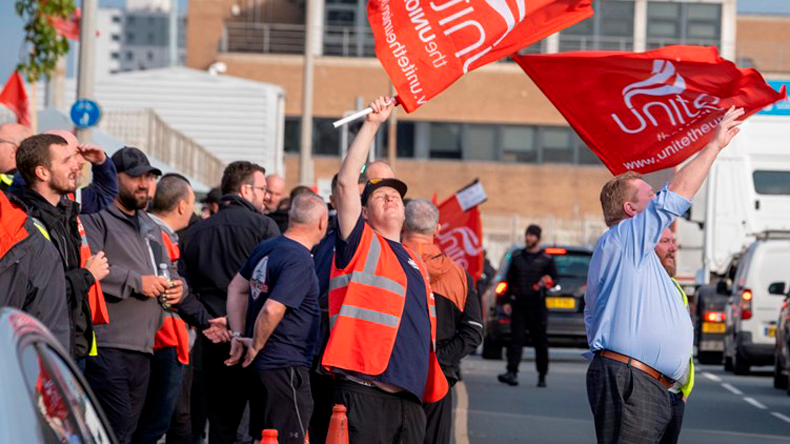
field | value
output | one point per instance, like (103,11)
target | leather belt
(631,362)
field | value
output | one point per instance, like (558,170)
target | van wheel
(780,380)
(739,365)
(492,349)
(727,364)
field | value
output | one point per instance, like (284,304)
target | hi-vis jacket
(366,302)
(173,332)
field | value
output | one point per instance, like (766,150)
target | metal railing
(144,129)
(280,38)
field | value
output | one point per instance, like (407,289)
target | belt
(631,362)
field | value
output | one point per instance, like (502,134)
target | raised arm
(688,179)
(349,202)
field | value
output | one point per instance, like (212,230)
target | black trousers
(198,405)
(227,391)
(629,406)
(439,419)
(672,433)
(323,389)
(180,431)
(533,319)
(378,417)
(281,400)
(119,378)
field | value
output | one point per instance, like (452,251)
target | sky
(11,25)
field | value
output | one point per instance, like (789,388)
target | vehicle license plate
(555,302)
(713,327)
(770,332)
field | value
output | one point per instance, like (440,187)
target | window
(115,56)
(772,183)
(683,23)
(150,56)
(116,19)
(292,134)
(587,156)
(129,37)
(611,28)
(116,37)
(150,38)
(557,145)
(129,55)
(480,142)
(445,141)
(518,144)
(405,139)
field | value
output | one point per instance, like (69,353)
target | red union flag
(14,97)
(68,27)
(427,45)
(647,111)
(461,232)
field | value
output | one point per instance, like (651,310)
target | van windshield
(774,183)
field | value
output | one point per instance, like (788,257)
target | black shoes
(542,381)
(508,378)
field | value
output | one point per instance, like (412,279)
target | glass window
(129,37)
(704,12)
(445,141)
(557,145)
(480,142)
(115,56)
(774,183)
(518,144)
(405,139)
(587,156)
(670,23)
(611,28)
(150,55)
(116,37)
(326,139)
(292,135)
(116,19)
(572,264)
(663,10)
(129,55)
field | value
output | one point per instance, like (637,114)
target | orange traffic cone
(269,436)
(338,426)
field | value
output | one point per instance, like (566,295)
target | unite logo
(670,98)
(459,244)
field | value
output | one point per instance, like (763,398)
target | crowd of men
(269,307)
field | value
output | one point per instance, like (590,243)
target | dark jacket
(61,223)
(214,250)
(99,194)
(524,272)
(31,275)
(459,319)
(133,251)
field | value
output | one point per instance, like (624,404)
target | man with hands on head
(273,312)
(638,328)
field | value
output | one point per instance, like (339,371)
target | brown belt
(631,362)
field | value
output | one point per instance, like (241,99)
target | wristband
(235,334)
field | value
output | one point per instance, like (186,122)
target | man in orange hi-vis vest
(382,314)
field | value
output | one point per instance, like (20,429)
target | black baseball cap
(374,184)
(132,161)
(213,196)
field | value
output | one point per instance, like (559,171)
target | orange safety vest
(12,225)
(173,332)
(366,302)
(99,315)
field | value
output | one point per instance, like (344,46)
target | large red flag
(647,111)
(461,233)
(425,46)
(14,97)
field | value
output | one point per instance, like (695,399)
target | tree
(43,44)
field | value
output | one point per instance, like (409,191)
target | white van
(751,311)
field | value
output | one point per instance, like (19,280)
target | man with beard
(50,168)
(141,275)
(529,274)
(665,249)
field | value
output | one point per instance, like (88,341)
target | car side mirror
(722,288)
(777,288)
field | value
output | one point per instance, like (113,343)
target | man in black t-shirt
(273,300)
(529,274)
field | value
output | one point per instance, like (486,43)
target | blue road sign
(781,108)
(85,113)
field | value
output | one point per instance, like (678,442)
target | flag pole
(358,115)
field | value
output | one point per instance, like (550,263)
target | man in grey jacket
(141,276)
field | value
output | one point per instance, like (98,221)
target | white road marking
(711,376)
(732,389)
(461,414)
(755,403)
(781,416)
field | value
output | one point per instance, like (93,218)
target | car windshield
(572,265)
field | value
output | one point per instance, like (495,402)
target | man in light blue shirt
(638,329)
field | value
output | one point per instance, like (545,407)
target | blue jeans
(164,386)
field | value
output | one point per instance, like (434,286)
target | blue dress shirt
(632,306)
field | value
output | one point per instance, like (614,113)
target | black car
(565,302)
(45,398)
(710,328)
(782,352)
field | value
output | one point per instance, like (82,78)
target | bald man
(378,169)
(11,135)
(100,193)
(275,191)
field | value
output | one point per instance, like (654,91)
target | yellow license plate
(713,327)
(555,302)
(770,332)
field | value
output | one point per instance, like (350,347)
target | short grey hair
(306,208)
(421,217)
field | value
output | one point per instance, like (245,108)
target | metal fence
(147,131)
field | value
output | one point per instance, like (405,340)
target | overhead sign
(780,108)
(85,113)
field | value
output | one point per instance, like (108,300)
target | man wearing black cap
(211,203)
(381,310)
(529,274)
(141,277)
